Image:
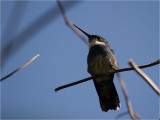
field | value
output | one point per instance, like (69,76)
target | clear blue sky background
(132,29)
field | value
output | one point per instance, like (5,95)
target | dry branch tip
(23,66)
(144,76)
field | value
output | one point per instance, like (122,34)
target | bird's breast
(101,61)
(99,65)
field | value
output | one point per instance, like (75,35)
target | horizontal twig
(141,66)
(143,75)
(19,68)
(119,70)
(71,84)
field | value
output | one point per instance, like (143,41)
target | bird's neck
(94,43)
(96,50)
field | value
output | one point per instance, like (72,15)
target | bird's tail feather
(107,93)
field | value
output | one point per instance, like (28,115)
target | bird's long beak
(88,35)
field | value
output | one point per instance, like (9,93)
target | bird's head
(94,39)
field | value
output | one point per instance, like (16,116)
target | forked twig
(124,113)
(19,68)
(137,116)
(69,23)
(119,70)
(143,75)
(121,114)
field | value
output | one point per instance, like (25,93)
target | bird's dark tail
(107,93)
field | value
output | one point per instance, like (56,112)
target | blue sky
(131,28)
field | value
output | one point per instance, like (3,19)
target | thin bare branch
(69,23)
(19,68)
(141,66)
(143,75)
(71,84)
(119,70)
(126,97)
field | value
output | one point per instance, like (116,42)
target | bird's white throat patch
(95,42)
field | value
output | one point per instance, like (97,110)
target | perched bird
(101,59)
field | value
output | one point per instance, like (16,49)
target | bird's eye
(100,39)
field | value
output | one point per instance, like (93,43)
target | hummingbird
(101,60)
